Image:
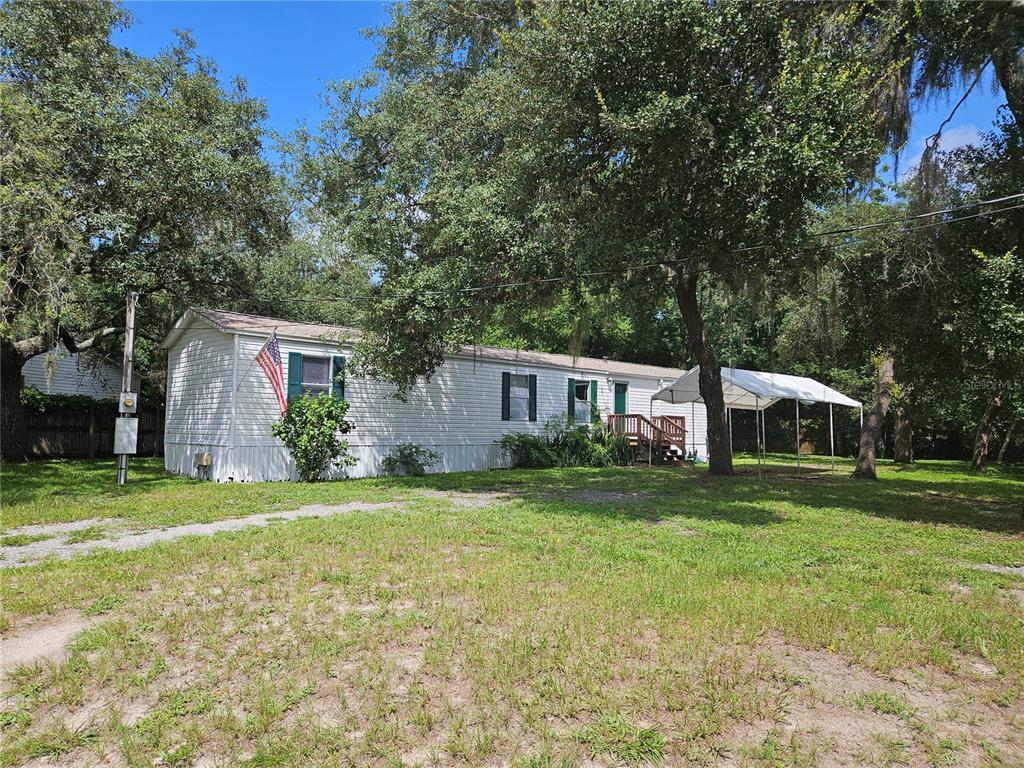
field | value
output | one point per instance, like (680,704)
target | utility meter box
(126,435)
(129,402)
(204,459)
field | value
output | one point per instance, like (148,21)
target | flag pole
(240,378)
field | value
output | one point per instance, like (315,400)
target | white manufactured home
(219,403)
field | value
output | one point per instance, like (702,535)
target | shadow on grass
(35,481)
(944,493)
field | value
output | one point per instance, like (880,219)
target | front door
(621,388)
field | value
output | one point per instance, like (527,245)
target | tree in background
(638,149)
(118,170)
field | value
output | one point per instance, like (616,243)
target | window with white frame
(519,397)
(316,374)
(581,403)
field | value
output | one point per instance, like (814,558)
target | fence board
(86,433)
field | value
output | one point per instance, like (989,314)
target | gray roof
(238,322)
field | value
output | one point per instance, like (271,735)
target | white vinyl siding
(199,389)
(72,374)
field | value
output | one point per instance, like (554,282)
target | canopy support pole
(831,439)
(693,431)
(757,431)
(764,440)
(798,434)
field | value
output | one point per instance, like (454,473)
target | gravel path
(122,541)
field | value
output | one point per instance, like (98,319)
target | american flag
(269,358)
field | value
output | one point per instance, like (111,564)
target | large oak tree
(636,148)
(117,170)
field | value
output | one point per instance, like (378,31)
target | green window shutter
(533,397)
(294,374)
(593,401)
(506,386)
(338,378)
(571,407)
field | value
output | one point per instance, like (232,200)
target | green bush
(409,459)
(311,428)
(527,451)
(36,401)
(567,444)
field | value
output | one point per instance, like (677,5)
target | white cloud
(951,138)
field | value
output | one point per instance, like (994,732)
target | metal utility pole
(126,431)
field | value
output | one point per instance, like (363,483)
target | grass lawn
(566,618)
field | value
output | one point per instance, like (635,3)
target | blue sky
(286,51)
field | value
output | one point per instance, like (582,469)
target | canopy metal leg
(764,440)
(798,434)
(831,439)
(757,431)
(693,430)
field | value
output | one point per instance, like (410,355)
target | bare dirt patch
(848,715)
(1008,570)
(43,639)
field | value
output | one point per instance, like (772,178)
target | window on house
(316,374)
(581,403)
(519,398)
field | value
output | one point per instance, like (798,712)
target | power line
(870,226)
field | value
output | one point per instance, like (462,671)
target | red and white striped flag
(269,358)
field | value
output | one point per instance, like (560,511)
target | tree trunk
(875,421)
(12,419)
(1006,441)
(981,437)
(1008,64)
(903,447)
(710,380)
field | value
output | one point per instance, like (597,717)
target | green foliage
(40,402)
(409,459)
(122,170)
(567,444)
(311,428)
(557,140)
(526,451)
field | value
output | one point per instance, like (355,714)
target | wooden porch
(661,438)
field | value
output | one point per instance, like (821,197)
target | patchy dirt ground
(59,539)
(46,638)
(123,540)
(835,713)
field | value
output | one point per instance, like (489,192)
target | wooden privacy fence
(86,432)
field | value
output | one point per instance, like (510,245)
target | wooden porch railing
(658,431)
(673,428)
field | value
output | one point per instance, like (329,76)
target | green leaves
(311,428)
(563,141)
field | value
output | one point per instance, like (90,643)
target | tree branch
(81,346)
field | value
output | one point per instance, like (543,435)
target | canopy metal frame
(758,391)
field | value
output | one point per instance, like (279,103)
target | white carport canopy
(754,390)
(757,390)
